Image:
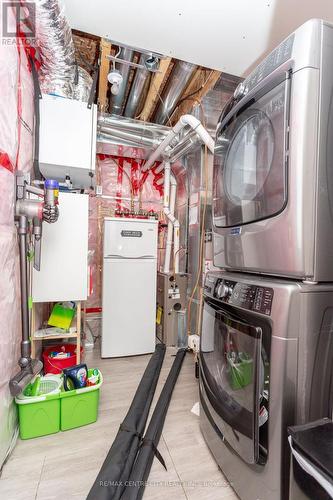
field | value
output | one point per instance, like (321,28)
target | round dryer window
(249,162)
(249,159)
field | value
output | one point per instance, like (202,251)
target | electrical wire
(186,97)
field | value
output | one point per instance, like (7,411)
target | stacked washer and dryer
(267,336)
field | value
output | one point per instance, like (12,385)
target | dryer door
(232,377)
(249,164)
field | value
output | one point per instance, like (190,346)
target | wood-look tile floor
(64,465)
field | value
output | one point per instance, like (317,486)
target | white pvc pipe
(176,245)
(168,246)
(184,121)
(169,202)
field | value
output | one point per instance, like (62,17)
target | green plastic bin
(80,406)
(241,372)
(40,415)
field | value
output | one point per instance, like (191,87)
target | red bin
(53,365)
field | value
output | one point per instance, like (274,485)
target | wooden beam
(103,75)
(201,83)
(154,89)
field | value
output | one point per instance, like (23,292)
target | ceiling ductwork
(117,101)
(128,132)
(179,78)
(59,73)
(138,89)
(54,39)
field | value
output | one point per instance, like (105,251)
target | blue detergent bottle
(75,377)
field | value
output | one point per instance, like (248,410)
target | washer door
(249,164)
(232,378)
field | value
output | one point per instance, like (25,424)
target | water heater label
(131,234)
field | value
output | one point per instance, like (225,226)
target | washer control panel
(251,297)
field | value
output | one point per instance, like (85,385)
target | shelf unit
(76,335)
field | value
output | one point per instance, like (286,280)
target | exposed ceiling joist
(103,75)
(201,83)
(154,89)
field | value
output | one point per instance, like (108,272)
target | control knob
(223,291)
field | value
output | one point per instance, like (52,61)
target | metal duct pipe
(138,89)
(107,139)
(139,140)
(178,80)
(130,124)
(54,40)
(117,101)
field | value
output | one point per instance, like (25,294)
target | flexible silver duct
(138,89)
(54,39)
(117,101)
(81,91)
(178,80)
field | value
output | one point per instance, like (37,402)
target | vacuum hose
(37,212)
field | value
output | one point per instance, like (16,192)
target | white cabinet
(64,256)
(67,140)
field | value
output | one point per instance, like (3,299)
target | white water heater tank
(67,145)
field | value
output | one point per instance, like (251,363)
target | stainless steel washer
(265,363)
(273,166)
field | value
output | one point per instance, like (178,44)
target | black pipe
(37,96)
(110,482)
(148,449)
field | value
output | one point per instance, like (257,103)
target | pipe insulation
(148,449)
(179,78)
(115,471)
(184,121)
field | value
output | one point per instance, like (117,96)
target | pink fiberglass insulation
(16,126)
(119,177)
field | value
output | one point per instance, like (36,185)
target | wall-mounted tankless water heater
(68,140)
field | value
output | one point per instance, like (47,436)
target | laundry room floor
(65,465)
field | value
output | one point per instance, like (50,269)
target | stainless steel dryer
(273,167)
(265,363)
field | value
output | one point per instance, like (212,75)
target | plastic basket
(40,415)
(80,406)
(47,385)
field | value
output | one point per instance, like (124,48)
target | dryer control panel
(246,296)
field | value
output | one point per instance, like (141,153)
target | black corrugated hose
(110,482)
(148,449)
